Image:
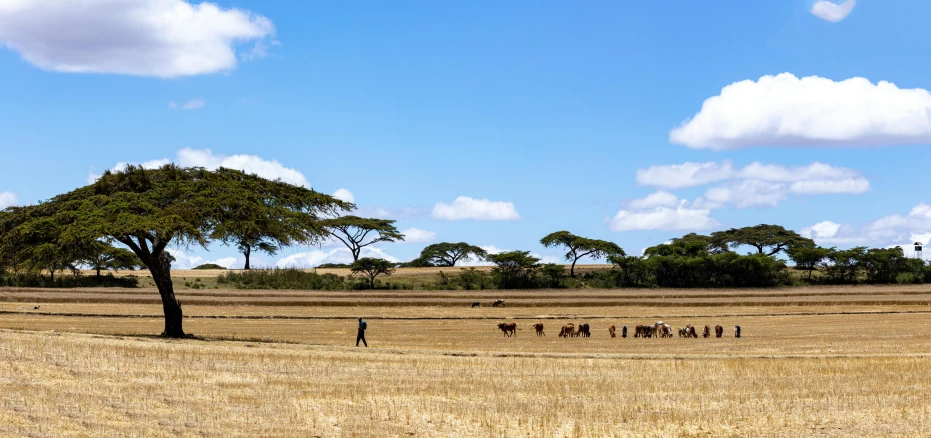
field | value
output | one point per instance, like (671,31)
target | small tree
(578,247)
(808,258)
(372,267)
(515,269)
(767,239)
(552,275)
(448,254)
(353,232)
(106,256)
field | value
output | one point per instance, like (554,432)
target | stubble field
(811,362)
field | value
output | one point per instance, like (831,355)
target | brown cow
(566,330)
(611,330)
(718,331)
(509,329)
(584,331)
(539,328)
(706,332)
(498,303)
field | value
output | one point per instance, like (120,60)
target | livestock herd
(657,330)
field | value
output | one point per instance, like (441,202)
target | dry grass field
(839,361)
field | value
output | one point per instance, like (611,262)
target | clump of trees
(146,210)
(861,265)
(578,247)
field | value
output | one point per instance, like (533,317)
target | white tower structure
(918,246)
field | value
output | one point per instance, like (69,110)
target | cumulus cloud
(658,199)
(749,193)
(416,235)
(192,104)
(121,165)
(188,261)
(8,199)
(312,259)
(344,195)
(784,110)
(161,38)
(465,207)
(891,230)
(268,169)
(649,214)
(833,12)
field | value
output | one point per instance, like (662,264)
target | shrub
(282,279)
(210,266)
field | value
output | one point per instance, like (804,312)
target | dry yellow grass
(808,365)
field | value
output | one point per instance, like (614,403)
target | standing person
(624,331)
(361,335)
(736,331)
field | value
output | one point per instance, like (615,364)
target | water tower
(918,250)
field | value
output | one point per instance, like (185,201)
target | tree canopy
(372,267)
(578,247)
(149,209)
(106,256)
(514,269)
(448,254)
(808,258)
(353,232)
(767,239)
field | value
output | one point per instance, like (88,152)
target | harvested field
(830,361)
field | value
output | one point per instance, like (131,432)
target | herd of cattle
(657,330)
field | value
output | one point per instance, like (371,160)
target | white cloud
(392,213)
(833,12)
(121,165)
(696,174)
(892,229)
(161,38)
(784,110)
(188,261)
(749,193)
(344,195)
(8,199)
(189,105)
(465,207)
(311,259)
(849,186)
(644,214)
(268,169)
(658,199)
(416,235)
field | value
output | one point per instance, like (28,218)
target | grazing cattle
(476,304)
(509,329)
(35,308)
(539,328)
(566,330)
(584,331)
(690,332)
(665,331)
(623,331)
(682,332)
(718,331)
(706,332)
(638,331)
(498,303)
(611,330)
(736,331)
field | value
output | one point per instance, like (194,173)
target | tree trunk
(247,252)
(161,273)
(98,274)
(572,269)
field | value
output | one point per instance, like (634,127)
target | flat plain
(812,361)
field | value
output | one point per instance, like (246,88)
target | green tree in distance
(353,232)
(514,269)
(149,209)
(102,256)
(767,239)
(578,247)
(372,267)
(448,254)
(808,258)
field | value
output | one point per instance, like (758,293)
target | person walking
(624,331)
(361,335)
(736,331)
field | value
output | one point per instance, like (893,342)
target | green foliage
(334,265)
(419,262)
(472,279)
(210,266)
(34,279)
(103,256)
(808,258)
(448,254)
(767,239)
(354,231)
(551,275)
(274,279)
(514,269)
(372,267)
(578,247)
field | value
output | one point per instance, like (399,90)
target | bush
(65,281)
(333,265)
(282,279)
(210,266)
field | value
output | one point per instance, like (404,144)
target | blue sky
(547,110)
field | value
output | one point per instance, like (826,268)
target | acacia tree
(149,209)
(448,254)
(578,247)
(29,240)
(372,268)
(103,255)
(514,269)
(808,258)
(767,239)
(353,232)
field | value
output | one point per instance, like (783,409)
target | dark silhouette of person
(623,331)
(736,331)
(361,335)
